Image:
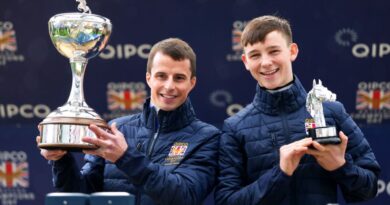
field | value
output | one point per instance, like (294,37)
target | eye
(275,52)
(254,56)
(180,77)
(160,75)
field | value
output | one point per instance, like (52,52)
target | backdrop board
(345,43)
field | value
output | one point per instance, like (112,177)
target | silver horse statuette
(314,105)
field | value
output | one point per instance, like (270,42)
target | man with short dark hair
(164,155)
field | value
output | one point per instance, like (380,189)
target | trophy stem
(76,97)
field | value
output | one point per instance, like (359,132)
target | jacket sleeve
(68,178)
(358,177)
(269,188)
(189,183)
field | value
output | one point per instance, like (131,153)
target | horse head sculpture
(314,100)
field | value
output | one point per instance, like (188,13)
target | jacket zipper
(273,138)
(148,154)
(286,130)
(138,198)
(275,146)
(151,144)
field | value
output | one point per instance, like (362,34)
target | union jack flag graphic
(236,40)
(125,99)
(372,100)
(8,41)
(14,174)
(178,149)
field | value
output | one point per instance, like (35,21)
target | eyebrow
(272,47)
(268,48)
(181,75)
(159,72)
(175,74)
(253,51)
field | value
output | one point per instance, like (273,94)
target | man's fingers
(39,128)
(38,139)
(305,142)
(299,150)
(313,152)
(96,141)
(343,137)
(102,137)
(114,129)
(100,133)
(53,154)
(318,146)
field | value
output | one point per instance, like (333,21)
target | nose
(266,61)
(169,84)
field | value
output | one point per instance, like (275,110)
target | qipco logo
(14,156)
(24,111)
(125,51)
(6,25)
(375,50)
(383,187)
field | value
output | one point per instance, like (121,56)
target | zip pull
(139,146)
(151,144)
(273,138)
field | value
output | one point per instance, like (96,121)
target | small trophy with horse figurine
(318,130)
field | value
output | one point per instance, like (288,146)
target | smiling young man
(164,155)
(265,154)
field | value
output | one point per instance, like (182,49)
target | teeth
(168,96)
(270,72)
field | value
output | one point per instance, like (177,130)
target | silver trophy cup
(320,132)
(79,37)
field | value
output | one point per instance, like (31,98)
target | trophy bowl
(79,37)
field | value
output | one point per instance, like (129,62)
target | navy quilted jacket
(171,159)
(249,155)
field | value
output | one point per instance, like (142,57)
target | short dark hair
(175,48)
(256,30)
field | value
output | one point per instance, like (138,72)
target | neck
(152,105)
(281,88)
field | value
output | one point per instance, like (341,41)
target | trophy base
(324,135)
(66,133)
(68,147)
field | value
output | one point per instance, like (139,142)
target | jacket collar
(167,121)
(288,100)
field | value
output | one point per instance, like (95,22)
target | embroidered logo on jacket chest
(176,153)
(309,124)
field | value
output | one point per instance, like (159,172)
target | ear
(244,60)
(148,76)
(293,51)
(193,82)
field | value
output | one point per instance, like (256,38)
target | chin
(168,107)
(271,84)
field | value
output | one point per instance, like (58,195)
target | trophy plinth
(318,130)
(79,37)
(324,135)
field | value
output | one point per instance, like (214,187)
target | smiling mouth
(168,96)
(270,72)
